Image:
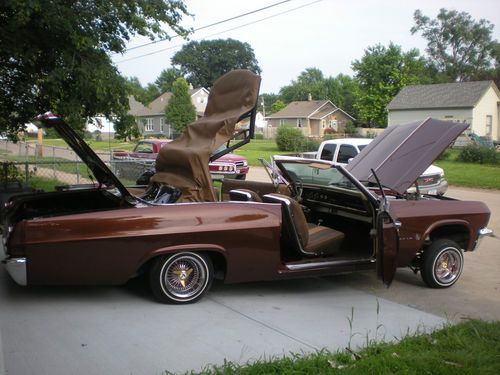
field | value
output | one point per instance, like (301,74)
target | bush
(290,139)
(478,154)
(350,128)
(326,137)
(259,136)
(310,145)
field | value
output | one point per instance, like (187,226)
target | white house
(476,103)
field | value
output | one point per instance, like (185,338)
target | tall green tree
(381,73)
(145,95)
(201,63)
(166,79)
(458,46)
(341,91)
(310,81)
(126,128)
(54,54)
(277,106)
(180,110)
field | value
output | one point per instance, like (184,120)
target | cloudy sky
(297,34)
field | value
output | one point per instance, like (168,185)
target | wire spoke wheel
(442,264)
(181,278)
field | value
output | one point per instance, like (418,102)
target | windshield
(316,174)
(361,147)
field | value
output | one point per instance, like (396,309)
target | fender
(443,223)
(179,248)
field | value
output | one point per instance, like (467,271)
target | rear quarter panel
(108,247)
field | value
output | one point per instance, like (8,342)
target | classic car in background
(131,165)
(314,218)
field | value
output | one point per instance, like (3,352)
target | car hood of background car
(401,153)
(101,172)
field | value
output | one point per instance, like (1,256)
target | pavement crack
(264,324)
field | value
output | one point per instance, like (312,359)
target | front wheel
(181,278)
(442,264)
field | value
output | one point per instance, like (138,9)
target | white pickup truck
(340,151)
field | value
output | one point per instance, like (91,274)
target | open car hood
(401,153)
(100,170)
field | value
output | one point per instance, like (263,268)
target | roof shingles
(442,95)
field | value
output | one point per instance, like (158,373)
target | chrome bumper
(16,267)
(481,233)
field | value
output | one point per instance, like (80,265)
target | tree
(277,106)
(166,79)
(380,74)
(145,95)
(55,55)
(310,81)
(201,63)
(180,111)
(341,90)
(458,46)
(265,101)
(126,128)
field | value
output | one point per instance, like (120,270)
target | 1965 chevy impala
(313,218)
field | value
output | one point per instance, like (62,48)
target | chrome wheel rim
(185,277)
(448,266)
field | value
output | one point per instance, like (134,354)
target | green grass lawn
(258,148)
(96,145)
(470,174)
(471,348)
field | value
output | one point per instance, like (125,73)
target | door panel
(387,247)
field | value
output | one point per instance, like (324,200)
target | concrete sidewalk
(121,330)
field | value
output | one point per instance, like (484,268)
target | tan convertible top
(183,163)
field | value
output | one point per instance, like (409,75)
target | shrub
(259,136)
(330,131)
(290,139)
(349,128)
(478,154)
(310,145)
(326,137)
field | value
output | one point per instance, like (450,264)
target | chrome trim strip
(306,266)
(16,267)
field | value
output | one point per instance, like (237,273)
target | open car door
(387,244)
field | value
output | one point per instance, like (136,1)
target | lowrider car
(313,218)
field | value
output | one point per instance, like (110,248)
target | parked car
(342,150)
(181,237)
(131,165)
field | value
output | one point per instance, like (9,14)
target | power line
(218,33)
(210,25)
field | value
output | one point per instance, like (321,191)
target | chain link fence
(23,165)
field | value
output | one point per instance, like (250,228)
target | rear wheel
(442,264)
(181,278)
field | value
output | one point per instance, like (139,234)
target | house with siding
(476,103)
(151,119)
(313,117)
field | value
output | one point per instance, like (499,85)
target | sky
(299,34)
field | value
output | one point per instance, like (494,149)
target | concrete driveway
(121,330)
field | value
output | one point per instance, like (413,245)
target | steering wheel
(295,186)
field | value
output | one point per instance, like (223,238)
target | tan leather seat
(311,239)
(244,195)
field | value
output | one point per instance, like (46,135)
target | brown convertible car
(312,218)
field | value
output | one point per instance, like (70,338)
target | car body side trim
(311,265)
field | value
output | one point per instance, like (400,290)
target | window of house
(282,122)
(489,125)
(334,125)
(148,125)
(323,123)
(299,122)
(162,124)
